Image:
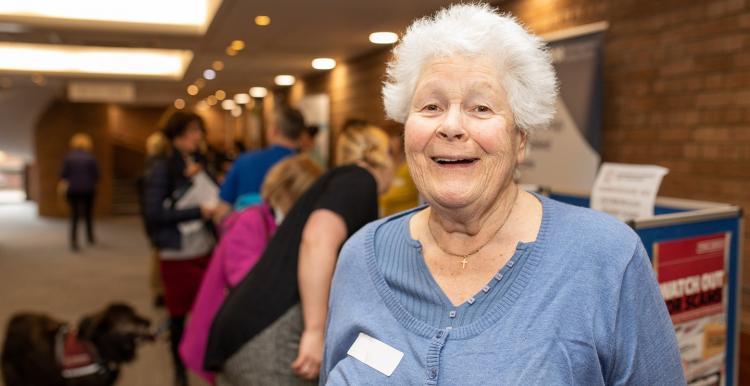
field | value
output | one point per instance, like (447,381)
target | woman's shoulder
(587,221)
(594,235)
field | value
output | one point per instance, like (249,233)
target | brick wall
(676,90)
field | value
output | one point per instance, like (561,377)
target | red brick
(711,134)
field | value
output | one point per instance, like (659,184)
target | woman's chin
(453,199)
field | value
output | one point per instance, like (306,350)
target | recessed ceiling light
(323,63)
(220,95)
(202,105)
(209,74)
(236,111)
(181,16)
(179,104)
(230,51)
(228,104)
(284,80)
(383,37)
(192,89)
(262,20)
(258,92)
(237,45)
(200,83)
(217,65)
(241,99)
(85,60)
(39,79)
(211,100)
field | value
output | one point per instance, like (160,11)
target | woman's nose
(451,128)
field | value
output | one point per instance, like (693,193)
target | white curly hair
(476,30)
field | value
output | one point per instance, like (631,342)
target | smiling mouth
(454,161)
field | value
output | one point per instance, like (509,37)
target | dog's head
(115,331)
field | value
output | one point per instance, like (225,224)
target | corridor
(39,273)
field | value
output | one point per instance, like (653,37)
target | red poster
(692,279)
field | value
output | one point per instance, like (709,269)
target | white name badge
(375,354)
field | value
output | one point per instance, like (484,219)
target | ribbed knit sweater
(578,306)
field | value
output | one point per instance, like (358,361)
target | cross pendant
(463,263)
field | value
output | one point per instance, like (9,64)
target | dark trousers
(81,207)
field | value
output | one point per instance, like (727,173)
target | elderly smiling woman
(489,284)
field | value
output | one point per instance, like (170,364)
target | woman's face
(460,140)
(190,140)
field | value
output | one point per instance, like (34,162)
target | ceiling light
(209,74)
(179,104)
(236,111)
(217,65)
(211,100)
(383,37)
(220,95)
(237,45)
(284,80)
(258,92)
(200,83)
(182,16)
(230,51)
(241,99)
(323,63)
(78,60)
(262,20)
(202,105)
(228,104)
(39,79)
(192,90)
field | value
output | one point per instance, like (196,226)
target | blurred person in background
(243,238)
(307,145)
(489,284)
(269,331)
(175,216)
(241,186)
(157,148)
(403,193)
(78,178)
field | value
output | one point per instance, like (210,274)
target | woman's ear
(523,138)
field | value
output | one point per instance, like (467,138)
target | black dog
(41,351)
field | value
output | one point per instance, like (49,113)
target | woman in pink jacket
(244,237)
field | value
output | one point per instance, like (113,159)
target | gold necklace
(465,257)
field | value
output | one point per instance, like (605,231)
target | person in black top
(270,328)
(78,179)
(183,256)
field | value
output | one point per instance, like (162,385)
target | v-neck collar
(495,312)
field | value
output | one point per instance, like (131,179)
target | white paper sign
(203,192)
(375,354)
(627,191)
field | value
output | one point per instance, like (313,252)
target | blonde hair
(156,145)
(291,176)
(365,143)
(81,141)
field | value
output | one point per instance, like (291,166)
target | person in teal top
(488,284)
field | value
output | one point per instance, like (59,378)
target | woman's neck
(474,221)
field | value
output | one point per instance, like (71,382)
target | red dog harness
(77,358)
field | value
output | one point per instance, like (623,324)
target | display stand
(696,249)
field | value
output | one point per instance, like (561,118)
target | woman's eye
(431,107)
(482,109)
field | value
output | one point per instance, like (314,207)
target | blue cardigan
(584,309)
